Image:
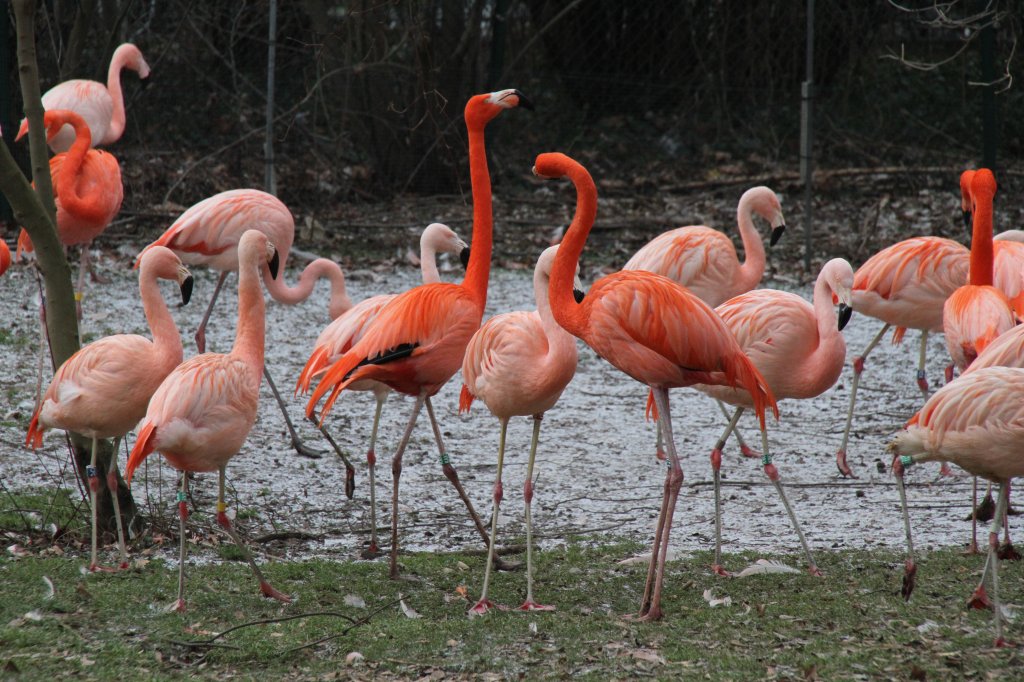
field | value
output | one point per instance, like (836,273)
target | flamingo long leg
(716,465)
(182,547)
(973,547)
(371,462)
(201,330)
(645,601)
(530,604)
(745,449)
(83,267)
(922,380)
(350,472)
(773,475)
(396,475)
(674,483)
(224,522)
(94,487)
(112,486)
(993,552)
(1007,552)
(910,568)
(452,475)
(484,605)
(858,367)
(301,448)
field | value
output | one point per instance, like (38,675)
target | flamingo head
(767,205)
(129,56)
(56,119)
(983,185)
(551,165)
(839,277)
(442,239)
(165,264)
(966,204)
(542,273)
(482,108)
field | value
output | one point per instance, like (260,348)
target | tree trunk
(36,212)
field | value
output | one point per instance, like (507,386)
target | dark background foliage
(369,93)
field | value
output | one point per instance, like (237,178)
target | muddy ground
(597,475)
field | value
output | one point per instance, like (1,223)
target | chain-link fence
(369,94)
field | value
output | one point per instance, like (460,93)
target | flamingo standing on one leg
(976,313)
(416,342)
(102,106)
(341,334)
(519,363)
(203,411)
(799,350)
(86,186)
(704,261)
(102,390)
(976,422)
(655,331)
(904,285)
(208,234)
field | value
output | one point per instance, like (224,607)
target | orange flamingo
(341,334)
(208,234)
(102,390)
(87,189)
(203,411)
(519,363)
(976,313)
(904,285)
(102,106)
(1007,251)
(799,350)
(655,331)
(976,422)
(704,261)
(416,343)
(5,256)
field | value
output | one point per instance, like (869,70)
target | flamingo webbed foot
(480,608)
(371,552)
(530,605)
(719,570)
(909,579)
(303,450)
(979,600)
(749,452)
(268,591)
(1007,552)
(844,469)
(652,614)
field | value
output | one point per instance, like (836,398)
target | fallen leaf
(462,566)
(50,590)
(462,591)
(764,566)
(353,658)
(709,597)
(647,655)
(355,601)
(927,626)
(407,610)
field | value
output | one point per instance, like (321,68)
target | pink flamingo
(655,331)
(977,423)
(87,189)
(704,261)
(799,350)
(416,342)
(904,285)
(208,234)
(101,106)
(341,334)
(102,390)
(519,363)
(201,414)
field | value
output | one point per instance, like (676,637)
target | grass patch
(849,625)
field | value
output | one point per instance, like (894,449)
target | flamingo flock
(683,312)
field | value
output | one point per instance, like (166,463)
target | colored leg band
(221,507)
(766,459)
(181,496)
(90,471)
(906,461)
(444,459)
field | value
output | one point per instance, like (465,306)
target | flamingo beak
(776,234)
(274,264)
(186,289)
(523,101)
(845,313)
(578,295)
(967,220)
(464,257)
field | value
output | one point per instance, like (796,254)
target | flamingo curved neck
(249,338)
(66,185)
(117,118)
(981,244)
(319,268)
(560,342)
(478,270)
(165,333)
(752,268)
(824,310)
(428,264)
(564,308)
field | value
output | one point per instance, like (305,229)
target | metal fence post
(807,136)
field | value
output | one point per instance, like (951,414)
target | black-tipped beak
(186,290)
(464,257)
(845,313)
(967,220)
(274,264)
(776,235)
(578,295)
(523,101)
